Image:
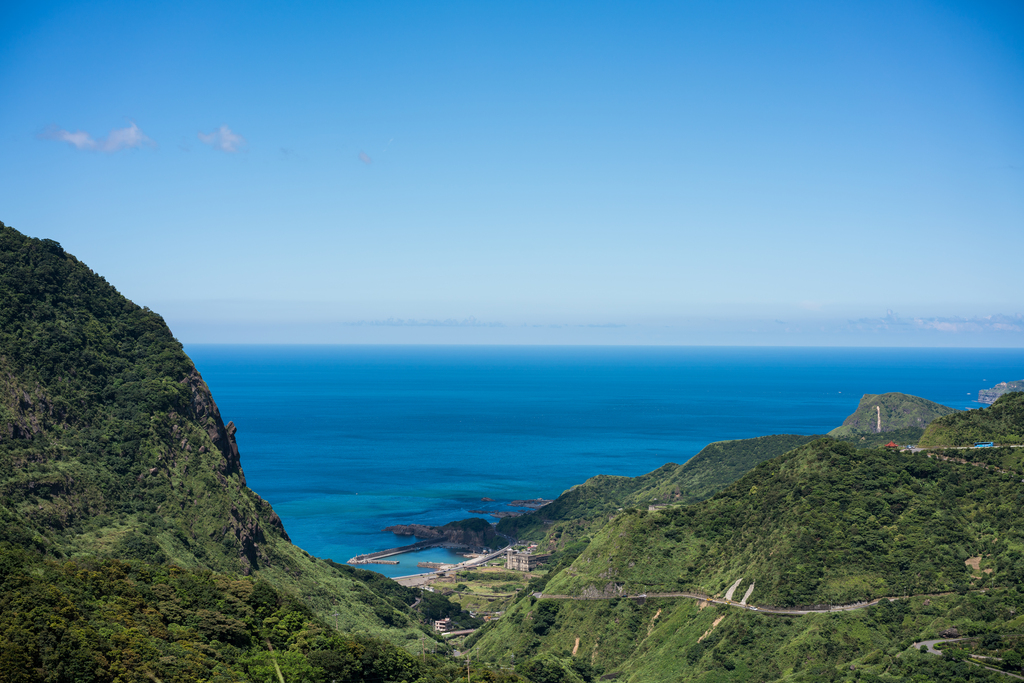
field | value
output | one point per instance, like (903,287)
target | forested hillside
(111,446)
(823,524)
(1002,422)
(113,621)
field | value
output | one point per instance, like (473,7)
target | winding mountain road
(732,603)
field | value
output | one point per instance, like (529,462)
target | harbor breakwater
(375,557)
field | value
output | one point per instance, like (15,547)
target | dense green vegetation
(902,437)
(1002,422)
(895,412)
(109,620)
(706,473)
(475,530)
(662,640)
(823,524)
(111,446)
(109,439)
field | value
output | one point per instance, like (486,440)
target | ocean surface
(345,440)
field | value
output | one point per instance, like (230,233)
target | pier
(374,558)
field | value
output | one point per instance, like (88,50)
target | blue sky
(688,173)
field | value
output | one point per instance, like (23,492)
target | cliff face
(111,444)
(104,419)
(470,532)
(989,396)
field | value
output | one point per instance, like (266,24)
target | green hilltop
(898,416)
(1002,422)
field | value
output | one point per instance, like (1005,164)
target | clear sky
(572,172)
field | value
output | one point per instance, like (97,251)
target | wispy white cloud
(223,139)
(130,137)
(977,324)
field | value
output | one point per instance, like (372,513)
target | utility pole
(467,669)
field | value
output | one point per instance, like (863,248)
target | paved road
(733,603)
(930,644)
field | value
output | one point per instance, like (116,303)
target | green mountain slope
(892,412)
(112,446)
(716,466)
(824,523)
(112,621)
(660,640)
(1002,422)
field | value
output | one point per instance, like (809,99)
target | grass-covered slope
(675,640)
(892,412)
(1002,422)
(706,473)
(823,523)
(112,446)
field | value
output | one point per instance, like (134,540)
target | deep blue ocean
(345,440)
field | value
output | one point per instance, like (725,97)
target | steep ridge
(717,465)
(111,445)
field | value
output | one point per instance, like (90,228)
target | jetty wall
(369,558)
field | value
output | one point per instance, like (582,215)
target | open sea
(345,440)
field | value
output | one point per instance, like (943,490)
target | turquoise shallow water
(345,440)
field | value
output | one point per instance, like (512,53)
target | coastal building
(443,625)
(523,562)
